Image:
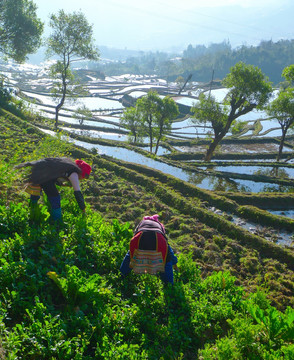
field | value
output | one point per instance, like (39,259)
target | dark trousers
(53,196)
(166,277)
(52,193)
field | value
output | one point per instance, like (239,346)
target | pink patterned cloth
(154,218)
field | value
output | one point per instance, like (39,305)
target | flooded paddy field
(253,148)
(106,101)
(270,234)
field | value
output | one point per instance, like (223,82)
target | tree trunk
(59,106)
(157,145)
(284,131)
(151,142)
(211,148)
(56,116)
(158,139)
(221,134)
(150,134)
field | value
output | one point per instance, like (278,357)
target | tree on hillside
(282,108)
(152,116)
(147,111)
(180,81)
(132,122)
(168,110)
(288,74)
(82,113)
(71,40)
(20,29)
(248,88)
(155,115)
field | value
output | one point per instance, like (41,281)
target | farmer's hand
(176,267)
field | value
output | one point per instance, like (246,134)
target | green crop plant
(263,335)
(87,311)
(76,290)
(83,309)
(224,349)
(43,336)
(13,219)
(276,326)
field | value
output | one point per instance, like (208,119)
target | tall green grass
(62,297)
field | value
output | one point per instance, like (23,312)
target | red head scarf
(86,168)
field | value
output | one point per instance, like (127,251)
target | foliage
(180,81)
(82,113)
(20,29)
(246,329)
(282,107)
(62,296)
(72,37)
(238,127)
(208,110)
(199,60)
(71,40)
(5,96)
(50,147)
(248,89)
(151,116)
(271,57)
(168,110)
(132,121)
(288,73)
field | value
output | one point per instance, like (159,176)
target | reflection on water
(282,172)
(203,181)
(286,213)
(92,103)
(279,237)
(97,134)
(276,172)
(236,185)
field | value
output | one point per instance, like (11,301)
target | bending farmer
(149,251)
(47,173)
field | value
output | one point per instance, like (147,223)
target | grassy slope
(118,192)
(128,193)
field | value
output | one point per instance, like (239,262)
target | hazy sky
(163,24)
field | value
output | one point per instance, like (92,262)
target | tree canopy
(71,40)
(168,110)
(72,37)
(248,88)
(20,29)
(288,74)
(282,107)
(131,121)
(151,116)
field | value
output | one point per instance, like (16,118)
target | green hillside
(62,296)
